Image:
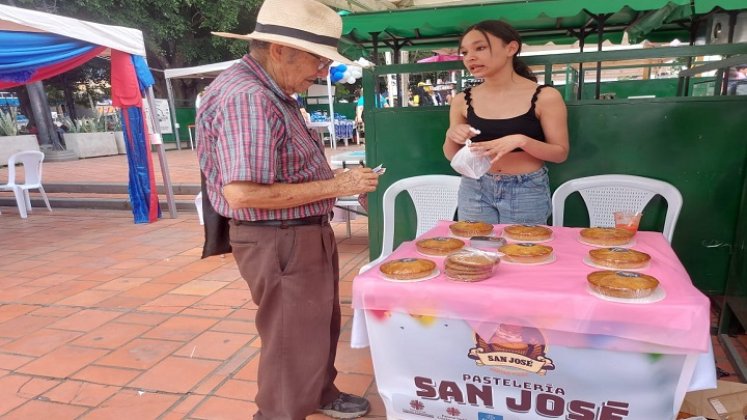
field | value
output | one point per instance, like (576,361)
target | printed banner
(442,370)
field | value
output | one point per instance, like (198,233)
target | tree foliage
(176,32)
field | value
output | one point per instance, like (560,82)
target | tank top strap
(536,94)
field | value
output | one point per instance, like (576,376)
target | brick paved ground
(103,318)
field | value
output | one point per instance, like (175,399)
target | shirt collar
(254,67)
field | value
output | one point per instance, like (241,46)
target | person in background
(512,120)
(359,109)
(267,172)
(435,99)
(198,98)
(414,99)
(422,97)
(381,102)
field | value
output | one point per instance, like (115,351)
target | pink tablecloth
(554,297)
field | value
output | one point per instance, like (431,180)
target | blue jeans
(510,199)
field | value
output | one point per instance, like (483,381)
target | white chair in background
(32,170)
(351,207)
(605,194)
(435,198)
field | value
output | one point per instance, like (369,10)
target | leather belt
(311,220)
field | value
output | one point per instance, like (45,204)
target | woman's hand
(496,149)
(460,133)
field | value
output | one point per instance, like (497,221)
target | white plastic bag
(469,163)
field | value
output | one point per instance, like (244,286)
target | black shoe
(346,406)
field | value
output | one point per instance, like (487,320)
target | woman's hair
(506,33)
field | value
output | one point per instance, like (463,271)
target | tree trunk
(47,131)
(69,99)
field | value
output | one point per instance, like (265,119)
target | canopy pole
(601,19)
(581,42)
(332,138)
(150,97)
(174,121)
(376,90)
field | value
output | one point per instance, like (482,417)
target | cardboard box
(730,406)
(697,402)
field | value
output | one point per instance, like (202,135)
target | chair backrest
(435,199)
(605,194)
(32,167)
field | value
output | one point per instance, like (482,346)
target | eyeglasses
(323,62)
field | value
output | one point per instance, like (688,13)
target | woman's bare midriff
(516,163)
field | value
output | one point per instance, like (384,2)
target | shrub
(8,126)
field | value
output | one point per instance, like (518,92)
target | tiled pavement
(103,318)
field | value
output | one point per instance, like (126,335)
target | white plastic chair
(605,194)
(32,169)
(435,198)
(350,206)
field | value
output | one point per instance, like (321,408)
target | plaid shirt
(248,129)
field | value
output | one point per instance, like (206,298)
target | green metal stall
(696,143)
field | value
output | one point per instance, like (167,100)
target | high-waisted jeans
(511,199)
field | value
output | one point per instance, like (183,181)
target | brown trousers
(293,276)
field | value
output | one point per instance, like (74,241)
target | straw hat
(303,24)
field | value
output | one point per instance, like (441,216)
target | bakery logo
(452,413)
(628,274)
(526,244)
(441,238)
(616,249)
(407,260)
(514,347)
(417,408)
(528,225)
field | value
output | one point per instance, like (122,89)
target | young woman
(512,120)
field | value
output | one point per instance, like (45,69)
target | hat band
(297,33)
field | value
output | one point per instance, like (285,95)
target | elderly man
(267,172)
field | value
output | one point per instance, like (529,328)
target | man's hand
(356,181)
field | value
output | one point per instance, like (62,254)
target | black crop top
(527,124)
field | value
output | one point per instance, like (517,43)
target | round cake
(622,284)
(469,266)
(526,253)
(440,245)
(527,232)
(619,258)
(469,228)
(606,236)
(408,268)
(490,243)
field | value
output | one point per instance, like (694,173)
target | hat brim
(311,47)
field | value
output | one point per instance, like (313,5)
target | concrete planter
(86,145)
(121,146)
(14,144)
